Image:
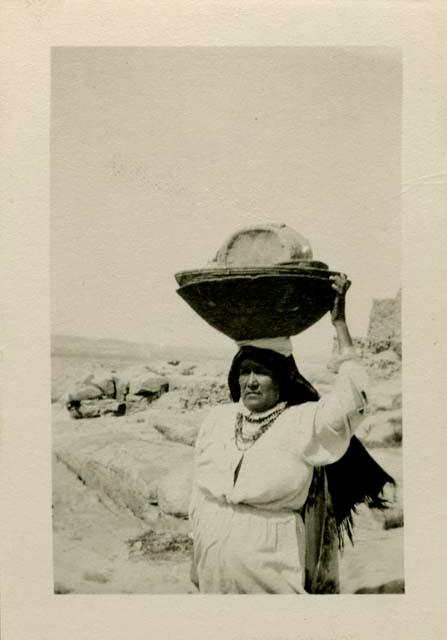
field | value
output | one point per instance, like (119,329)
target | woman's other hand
(340,284)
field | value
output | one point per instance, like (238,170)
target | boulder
(84,392)
(95,408)
(106,386)
(79,410)
(112,407)
(174,491)
(180,432)
(135,404)
(183,428)
(124,464)
(171,401)
(383,429)
(148,386)
(122,389)
(96,396)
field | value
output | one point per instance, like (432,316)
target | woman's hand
(340,284)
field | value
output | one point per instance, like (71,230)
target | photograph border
(29,608)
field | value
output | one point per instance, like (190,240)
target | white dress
(248,534)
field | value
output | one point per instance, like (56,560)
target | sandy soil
(90,550)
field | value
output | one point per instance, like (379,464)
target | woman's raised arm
(339,413)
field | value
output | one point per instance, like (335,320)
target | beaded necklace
(244,442)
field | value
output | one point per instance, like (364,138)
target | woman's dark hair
(293,387)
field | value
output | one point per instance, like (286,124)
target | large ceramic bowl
(262,283)
(262,303)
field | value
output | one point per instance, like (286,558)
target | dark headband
(294,388)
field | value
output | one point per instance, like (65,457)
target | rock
(60,588)
(122,389)
(386,402)
(84,409)
(108,386)
(84,392)
(124,464)
(91,398)
(74,409)
(384,364)
(183,429)
(188,371)
(381,350)
(112,407)
(198,392)
(383,358)
(171,401)
(95,408)
(386,395)
(152,545)
(92,387)
(393,518)
(184,433)
(383,429)
(384,331)
(393,586)
(148,386)
(174,491)
(135,404)
(105,385)
(385,319)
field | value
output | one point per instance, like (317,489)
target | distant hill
(62,345)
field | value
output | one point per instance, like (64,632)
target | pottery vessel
(263,282)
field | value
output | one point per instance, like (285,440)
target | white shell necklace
(264,422)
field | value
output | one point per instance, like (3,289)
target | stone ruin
(383,345)
(384,331)
(381,350)
(94,397)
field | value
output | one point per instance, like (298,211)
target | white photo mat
(29,608)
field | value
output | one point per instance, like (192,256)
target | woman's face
(259,389)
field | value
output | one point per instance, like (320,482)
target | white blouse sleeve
(206,431)
(336,416)
(204,437)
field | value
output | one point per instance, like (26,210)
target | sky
(159,154)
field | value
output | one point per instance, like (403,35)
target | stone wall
(384,330)
(381,349)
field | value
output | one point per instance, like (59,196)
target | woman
(265,513)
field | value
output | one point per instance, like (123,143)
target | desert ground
(121,482)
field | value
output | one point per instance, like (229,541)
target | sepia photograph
(225,293)
(222,343)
